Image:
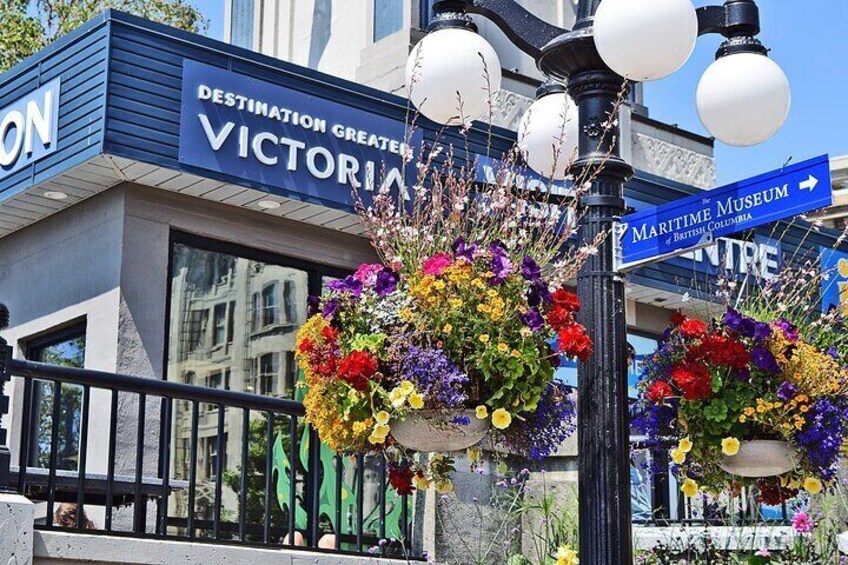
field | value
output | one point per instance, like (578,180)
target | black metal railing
(284,489)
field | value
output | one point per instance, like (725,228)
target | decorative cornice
(673,162)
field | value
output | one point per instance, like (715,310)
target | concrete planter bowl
(430,431)
(761,458)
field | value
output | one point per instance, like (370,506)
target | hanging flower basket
(761,458)
(432,431)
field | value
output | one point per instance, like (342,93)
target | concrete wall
(59,548)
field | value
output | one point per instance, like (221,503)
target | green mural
(327,491)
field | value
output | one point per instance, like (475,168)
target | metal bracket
(620,267)
(528,32)
(736,20)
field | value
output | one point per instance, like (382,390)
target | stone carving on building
(508,108)
(673,162)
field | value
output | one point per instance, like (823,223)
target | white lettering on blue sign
(288,141)
(761,258)
(28,128)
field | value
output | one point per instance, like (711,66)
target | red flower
(566,300)
(693,380)
(330,333)
(559,318)
(306,345)
(693,328)
(574,342)
(659,391)
(400,477)
(677,318)
(771,493)
(357,368)
(720,350)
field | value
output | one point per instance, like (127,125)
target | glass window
(254,303)
(66,348)
(270,306)
(241,23)
(388,17)
(220,325)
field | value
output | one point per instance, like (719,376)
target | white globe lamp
(743,99)
(548,135)
(645,40)
(451,75)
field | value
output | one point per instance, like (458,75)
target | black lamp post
(572,58)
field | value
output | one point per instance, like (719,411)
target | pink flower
(367,273)
(764,552)
(802,523)
(437,264)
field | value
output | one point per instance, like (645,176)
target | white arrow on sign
(809,184)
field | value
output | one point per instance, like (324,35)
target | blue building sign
(275,137)
(490,170)
(834,268)
(735,258)
(699,220)
(28,128)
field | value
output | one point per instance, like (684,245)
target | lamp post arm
(528,32)
(738,21)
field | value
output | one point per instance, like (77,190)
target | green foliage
(30,25)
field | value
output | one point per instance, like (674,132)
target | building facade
(182,199)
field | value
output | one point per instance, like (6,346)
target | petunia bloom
(437,264)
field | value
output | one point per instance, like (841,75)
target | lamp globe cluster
(743,98)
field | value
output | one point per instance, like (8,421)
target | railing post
(5,377)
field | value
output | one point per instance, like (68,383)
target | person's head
(66,517)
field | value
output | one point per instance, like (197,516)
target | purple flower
(347,285)
(501,268)
(330,308)
(386,282)
(741,324)
(762,331)
(787,391)
(461,420)
(541,432)
(762,358)
(530,269)
(790,330)
(533,319)
(823,436)
(439,381)
(539,294)
(313,305)
(462,250)
(833,352)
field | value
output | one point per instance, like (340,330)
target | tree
(29,25)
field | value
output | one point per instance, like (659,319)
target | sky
(806,38)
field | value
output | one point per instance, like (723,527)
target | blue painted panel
(79,62)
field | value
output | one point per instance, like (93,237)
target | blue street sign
(697,221)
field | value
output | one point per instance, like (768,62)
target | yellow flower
(397,397)
(416,401)
(491,293)
(525,332)
(750,411)
(484,338)
(685,445)
(689,488)
(421,483)
(812,485)
(447,329)
(501,419)
(381,430)
(375,439)
(730,446)
(455,302)
(679,457)
(407,388)
(743,419)
(566,556)
(382,417)
(444,486)
(516,353)
(475,455)
(481,412)
(503,348)
(439,285)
